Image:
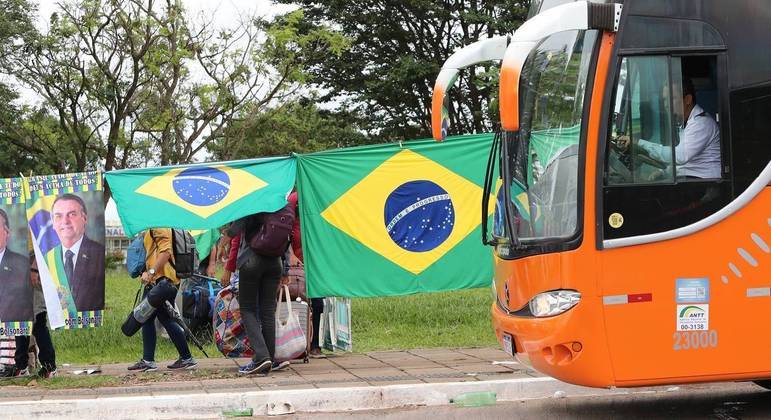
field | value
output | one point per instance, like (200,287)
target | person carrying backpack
(161,278)
(264,239)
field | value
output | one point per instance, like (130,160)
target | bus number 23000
(694,340)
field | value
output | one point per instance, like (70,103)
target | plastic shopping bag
(290,338)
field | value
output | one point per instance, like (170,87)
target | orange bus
(631,229)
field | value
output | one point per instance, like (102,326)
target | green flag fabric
(205,239)
(394,219)
(200,196)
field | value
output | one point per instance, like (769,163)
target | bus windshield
(543,160)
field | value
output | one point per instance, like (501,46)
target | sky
(224,13)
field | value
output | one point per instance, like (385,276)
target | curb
(211,405)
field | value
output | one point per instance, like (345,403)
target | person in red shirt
(317,304)
(296,239)
(230,264)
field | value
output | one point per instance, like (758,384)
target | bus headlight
(554,302)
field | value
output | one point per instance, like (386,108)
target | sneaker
(20,372)
(188,363)
(46,373)
(143,366)
(316,354)
(280,365)
(262,368)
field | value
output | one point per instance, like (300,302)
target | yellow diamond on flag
(410,210)
(202,190)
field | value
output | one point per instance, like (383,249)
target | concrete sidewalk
(218,375)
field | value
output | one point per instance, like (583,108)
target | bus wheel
(765,384)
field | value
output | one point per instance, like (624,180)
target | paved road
(716,401)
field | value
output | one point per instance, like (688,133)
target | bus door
(664,302)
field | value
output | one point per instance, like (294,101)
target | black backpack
(185,255)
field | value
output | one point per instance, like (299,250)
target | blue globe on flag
(202,186)
(419,216)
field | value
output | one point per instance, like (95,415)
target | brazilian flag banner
(394,219)
(200,196)
(65,215)
(16,313)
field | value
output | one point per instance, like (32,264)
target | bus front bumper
(569,346)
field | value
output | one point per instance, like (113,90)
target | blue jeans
(176,333)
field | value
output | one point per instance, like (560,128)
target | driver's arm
(695,138)
(657,151)
(654,150)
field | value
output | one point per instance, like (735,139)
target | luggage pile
(198,299)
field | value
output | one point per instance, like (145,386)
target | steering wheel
(616,148)
(640,154)
(618,165)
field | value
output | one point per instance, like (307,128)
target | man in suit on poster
(15,286)
(83,257)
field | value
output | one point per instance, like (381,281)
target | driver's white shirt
(698,153)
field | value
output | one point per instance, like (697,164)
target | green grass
(95,381)
(64,382)
(107,344)
(449,319)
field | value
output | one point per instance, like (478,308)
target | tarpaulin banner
(66,220)
(16,313)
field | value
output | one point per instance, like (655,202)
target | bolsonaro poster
(15,287)
(66,221)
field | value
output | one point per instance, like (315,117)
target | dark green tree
(298,127)
(31,140)
(16,25)
(397,49)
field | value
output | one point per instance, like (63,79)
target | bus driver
(698,154)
